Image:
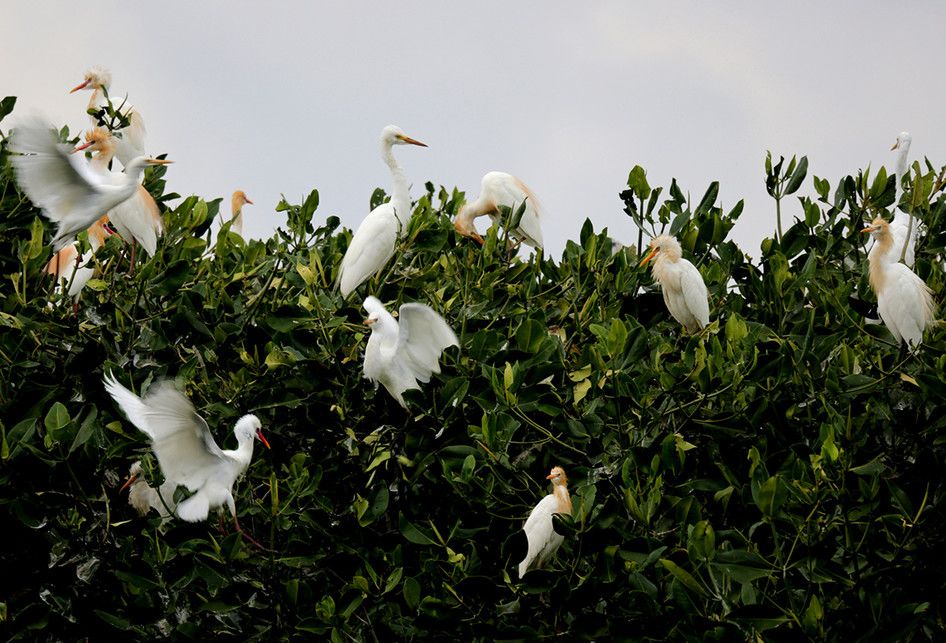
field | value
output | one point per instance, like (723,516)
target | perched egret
(543,540)
(69,191)
(69,268)
(97,80)
(143,497)
(903,230)
(185,448)
(137,220)
(401,353)
(237,202)
(904,301)
(682,284)
(501,189)
(372,245)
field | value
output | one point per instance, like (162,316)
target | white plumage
(69,191)
(682,284)
(372,245)
(399,354)
(901,224)
(904,301)
(143,497)
(540,531)
(185,448)
(501,189)
(69,269)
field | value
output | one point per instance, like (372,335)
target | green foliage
(778,476)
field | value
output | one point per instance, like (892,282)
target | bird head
(133,474)
(374,308)
(97,139)
(557,476)
(463,224)
(239,199)
(95,78)
(663,246)
(903,140)
(394,135)
(249,427)
(878,228)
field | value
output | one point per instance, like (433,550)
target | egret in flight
(501,189)
(137,220)
(68,190)
(682,284)
(372,245)
(540,532)
(186,450)
(401,353)
(904,301)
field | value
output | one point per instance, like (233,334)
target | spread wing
(131,405)
(423,335)
(62,184)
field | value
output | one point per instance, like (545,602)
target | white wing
(182,441)
(61,184)
(131,405)
(905,304)
(132,140)
(505,189)
(694,293)
(423,336)
(372,246)
(543,541)
(138,219)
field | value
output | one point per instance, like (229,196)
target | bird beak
(78,87)
(895,145)
(649,256)
(369,321)
(411,141)
(247,199)
(869,228)
(262,438)
(128,483)
(82,147)
(550,476)
(158,162)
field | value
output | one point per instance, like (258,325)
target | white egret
(137,220)
(97,80)
(130,142)
(540,532)
(186,450)
(372,245)
(399,354)
(143,497)
(682,284)
(69,191)
(501,189)
(237,202)
(904,301)
(904,231)
(69,268)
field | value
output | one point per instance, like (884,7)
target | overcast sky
(288,96)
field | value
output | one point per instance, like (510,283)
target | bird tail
(195,508)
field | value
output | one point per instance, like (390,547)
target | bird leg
(245,533)
(131,268)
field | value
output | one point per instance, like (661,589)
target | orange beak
(128,483)
(869,228)
(369,321)
(550,476)
(247,199)
(650,255)
(82,147)
(262,438)
(78,87)
(411,141)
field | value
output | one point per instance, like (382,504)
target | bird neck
(96,236)
(400,191)
(900,167)
(104,156)
(878,260)
(243,454)
(237,225)
(95,98)
(561,494)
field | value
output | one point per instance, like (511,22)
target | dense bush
(778,476)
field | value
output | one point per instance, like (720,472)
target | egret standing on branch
(186,450)
(69,191)
(540,532)
(97,80)
(372,245)
(682,284)
(904,301)
(501,189)
(70,269)
(237,201)
(399,354)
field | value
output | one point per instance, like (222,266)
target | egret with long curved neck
(372,245)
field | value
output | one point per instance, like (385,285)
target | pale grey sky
(285,97)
